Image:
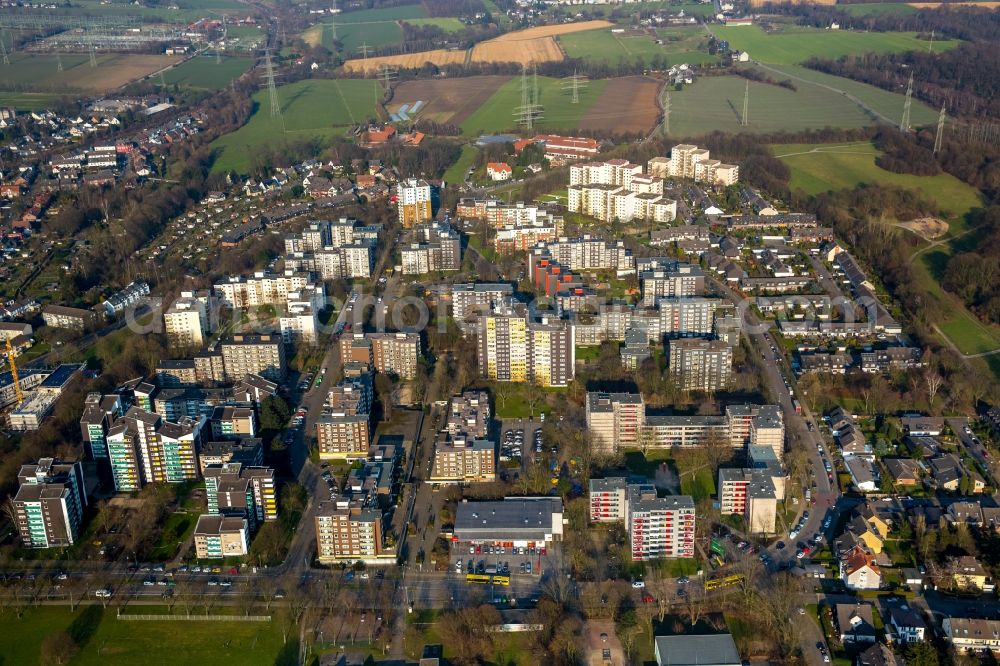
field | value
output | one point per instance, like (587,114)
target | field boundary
(143,617)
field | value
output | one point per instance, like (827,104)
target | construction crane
(13,373)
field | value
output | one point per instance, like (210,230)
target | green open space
(27,101)
(699,484)
(207,72)
(716,103)
(797,44)
(824,167)
(176,11)
(513,400)
(106,641)
(402,12)
(309,109)
(33,69)
(681,45)
(690,8)
(456,172)
(497,113)
(889,104)
(354,36)
(878,8)
(176,529)
(445,23)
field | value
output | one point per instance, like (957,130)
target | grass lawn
(716,103)
(797,44)
(700,485)
(496,114)
(105,641)
(384,14)
(176,529)
(887,103)
(516,407)
(28,101)
(456,172)
(879,8)
(207,73)
(309,109)
(682,45)
(445,23)
(646,464)
(823,167)
(588,353)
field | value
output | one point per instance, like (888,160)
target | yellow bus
(481,579)
(501,580)
(723,581)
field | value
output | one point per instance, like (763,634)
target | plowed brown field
(449,100)
(628,104)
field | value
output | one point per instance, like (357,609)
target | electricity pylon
(939,137)
(574,83)
(272,90)
(904,124)
(529,110)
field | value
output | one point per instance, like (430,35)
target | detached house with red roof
(859,571)
(498,171)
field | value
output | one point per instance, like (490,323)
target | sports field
(680,45)
(312,108)
(40,72)
(206,72)
(889,104)
(106,641)
(797,44)
(716,103)
(497,113)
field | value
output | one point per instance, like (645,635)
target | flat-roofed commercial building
(518,522)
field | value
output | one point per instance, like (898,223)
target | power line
(529,111)
(904,124)
(939,137)
(272,90)
(745,119)
(666,112)
(386,74)
(365,50)
(574,83)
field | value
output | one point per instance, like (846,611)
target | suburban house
(877,655)
(978,635)
(859,571)
(907,625)
(968,574)
(904,471)
(922,426)
(855,623)
(498,171)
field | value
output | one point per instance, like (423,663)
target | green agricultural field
(603,46)
(377,34)
(795,45)
(690,8)
(889,104)
(878,9)
(456,172)
(309,109)
(819,168)
(206,73)
(29,101)
(106,641)
(382,15)
(445,23)
(497,114)
(34,69)
(716,103)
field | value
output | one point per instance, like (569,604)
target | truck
(796,406)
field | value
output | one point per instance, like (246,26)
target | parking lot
(521,439)
(476,558)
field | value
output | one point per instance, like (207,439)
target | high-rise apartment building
(463,451)
(433,246)
(697,364)
(615,420)
(687,161)
(189,319)
(396,353)
(512,348)
(469,301)
(144,448)
(348,532)
(608,499)
(413,202)
(749,493)
(99,412)
(671,279)
(343,430)
(233,489)
(659,527)
(266,288)
(49,504)
(244,355)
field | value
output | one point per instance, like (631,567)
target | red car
(647,599)
(807,550)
